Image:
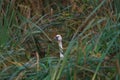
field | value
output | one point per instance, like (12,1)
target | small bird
(59,40)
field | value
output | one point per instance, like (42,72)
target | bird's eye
(56,38)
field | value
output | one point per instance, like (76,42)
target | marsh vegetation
(91,39)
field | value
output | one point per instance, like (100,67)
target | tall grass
(91,42)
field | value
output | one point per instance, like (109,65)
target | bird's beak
(56,38)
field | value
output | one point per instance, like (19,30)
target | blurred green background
(91,39)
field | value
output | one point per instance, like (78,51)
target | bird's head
(58,37)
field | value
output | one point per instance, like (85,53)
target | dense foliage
(91,39)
